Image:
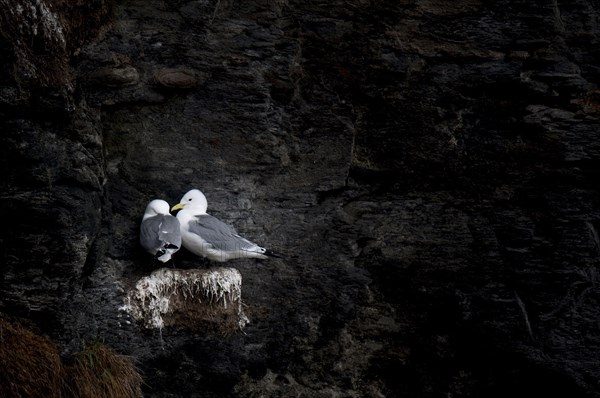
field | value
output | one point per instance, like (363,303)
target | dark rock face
(429,171)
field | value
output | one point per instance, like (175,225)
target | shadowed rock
(178,78)
(429,169)
(117,76)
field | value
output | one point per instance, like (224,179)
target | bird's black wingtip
(271,253)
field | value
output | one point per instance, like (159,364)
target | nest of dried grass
(97,372)
(29,364)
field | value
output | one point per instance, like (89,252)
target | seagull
(160,233)
(207,236)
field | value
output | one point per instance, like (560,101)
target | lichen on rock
(189,299)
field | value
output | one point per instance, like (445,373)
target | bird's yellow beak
(178,206)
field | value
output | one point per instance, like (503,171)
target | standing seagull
(207,236)
(160,233)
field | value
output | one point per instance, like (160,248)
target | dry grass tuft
(30,367)
(29,364)
(97,372)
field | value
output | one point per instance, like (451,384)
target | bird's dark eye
(190,199)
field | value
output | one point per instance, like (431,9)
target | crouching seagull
(160,233)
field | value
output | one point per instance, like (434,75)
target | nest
(189,299)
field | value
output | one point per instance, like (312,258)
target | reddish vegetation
(30,367)
(29,363)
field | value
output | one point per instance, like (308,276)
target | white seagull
(207,236)
(160,233)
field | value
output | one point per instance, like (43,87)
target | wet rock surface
(428,170)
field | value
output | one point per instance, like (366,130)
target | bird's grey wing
(169,231)
(149,233)
(218,234)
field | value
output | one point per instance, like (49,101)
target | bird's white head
(157,206)
(193,200)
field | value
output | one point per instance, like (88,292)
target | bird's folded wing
(169,231)
(149,233)
(218,234)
